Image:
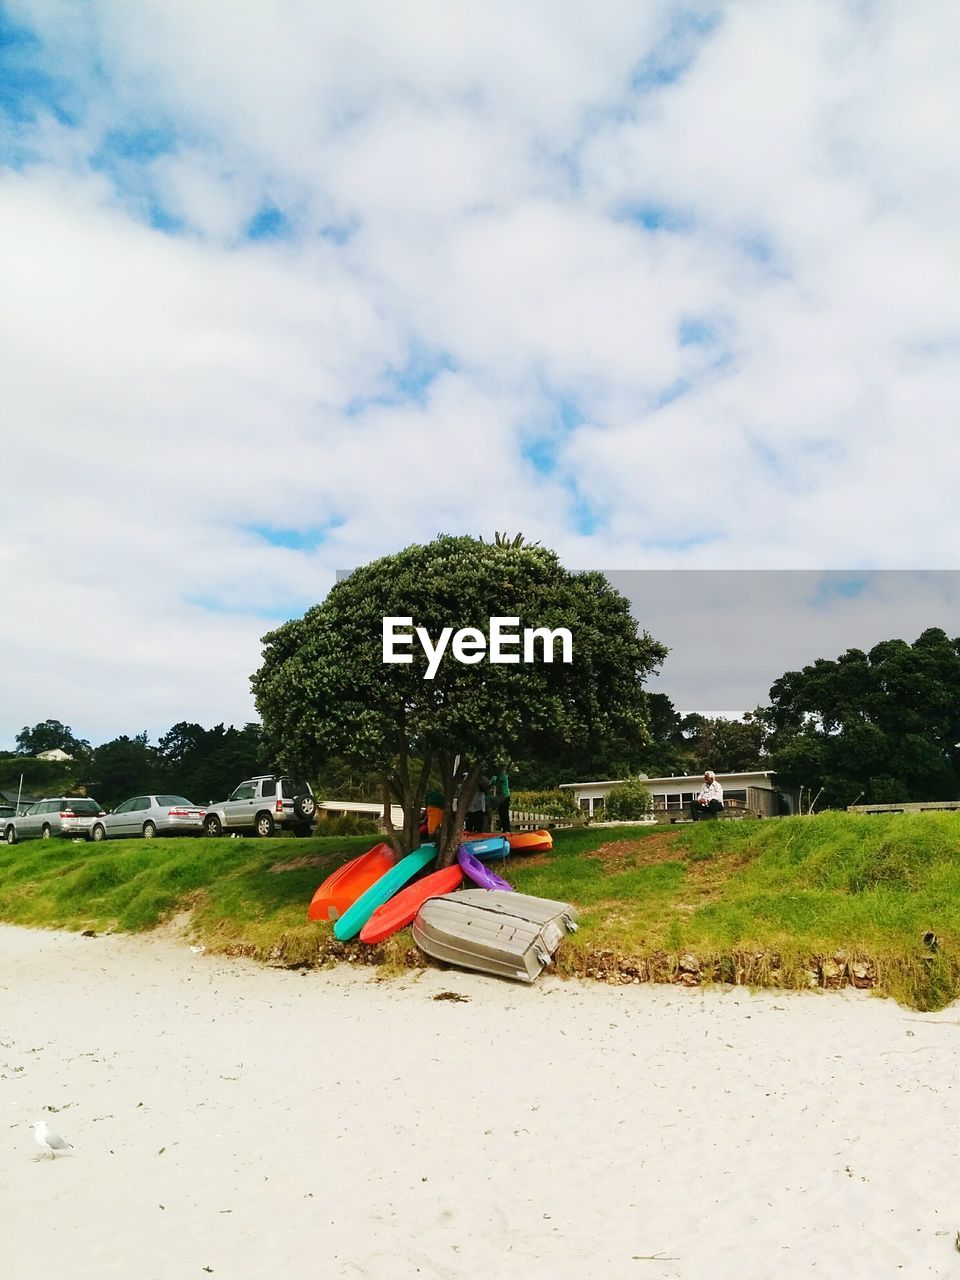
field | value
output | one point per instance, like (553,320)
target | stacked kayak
(489,847)
(519,841)
(488,928)
(341,889)
(398,911)
(357,915)
(474,870)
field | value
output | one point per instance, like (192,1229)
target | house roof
(676,777)
(10,797)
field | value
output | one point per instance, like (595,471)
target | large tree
(49,735)
(881,725)
(324,691)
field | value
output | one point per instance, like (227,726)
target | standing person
(501,796)
(709,799)
(477,808)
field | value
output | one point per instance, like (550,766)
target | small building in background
(755,791)
(361,809)
(55,753)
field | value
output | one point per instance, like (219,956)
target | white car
(150,816)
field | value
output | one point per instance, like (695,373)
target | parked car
(261,805)
(71,816)
(150,816)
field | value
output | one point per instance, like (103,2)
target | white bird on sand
(49,1140)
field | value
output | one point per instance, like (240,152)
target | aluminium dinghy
(509,935)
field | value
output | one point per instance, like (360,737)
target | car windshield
(294,787)
(166,801)
(80,806)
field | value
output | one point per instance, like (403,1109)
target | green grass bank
(794,903)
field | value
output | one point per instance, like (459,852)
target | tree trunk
(451,829)
(409,794)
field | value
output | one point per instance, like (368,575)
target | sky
(285,286)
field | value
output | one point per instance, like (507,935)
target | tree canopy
(324,691)
(49,735)
(880,725)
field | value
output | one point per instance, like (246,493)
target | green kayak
(353,920)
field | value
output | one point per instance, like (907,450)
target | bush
(628,800)
(554,804)
(346,824)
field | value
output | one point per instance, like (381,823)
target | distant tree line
(189,760)
(877,726)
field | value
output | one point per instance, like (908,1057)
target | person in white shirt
(709,800)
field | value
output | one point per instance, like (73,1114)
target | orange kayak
(402,908)
(530,841)
(344,886)
(519,841)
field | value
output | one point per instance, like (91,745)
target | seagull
(48,1140)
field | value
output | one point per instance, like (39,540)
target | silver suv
(259,806)
(61,816)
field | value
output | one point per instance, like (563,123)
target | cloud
(660,285)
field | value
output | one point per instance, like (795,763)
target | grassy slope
(733,894)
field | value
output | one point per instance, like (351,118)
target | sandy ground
(234,1121)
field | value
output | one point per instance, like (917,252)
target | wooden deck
(732,809)
(906,806)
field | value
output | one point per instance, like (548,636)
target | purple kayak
(474,870)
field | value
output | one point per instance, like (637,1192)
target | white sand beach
(234,1121)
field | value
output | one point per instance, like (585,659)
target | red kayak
(341,889)
(402,908)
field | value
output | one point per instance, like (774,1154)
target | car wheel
(264,825)
(45,833)
(149,830)
(304,806)
(10,835)
(212,827)
(98,833)
(302,833)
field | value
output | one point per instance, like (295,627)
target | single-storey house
(361,809)
(757,791)
(8,802)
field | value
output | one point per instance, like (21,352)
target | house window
(584,805)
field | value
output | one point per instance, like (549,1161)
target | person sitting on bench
(709,800)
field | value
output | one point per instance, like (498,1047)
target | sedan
(150,816)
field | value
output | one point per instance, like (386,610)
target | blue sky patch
(269,223)
(408,382)
(26,87)
(278,613)
(307,538)
(837,586)
(676,52)
(653,216)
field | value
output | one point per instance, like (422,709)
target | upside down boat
(510,935)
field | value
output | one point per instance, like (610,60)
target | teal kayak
(353,920)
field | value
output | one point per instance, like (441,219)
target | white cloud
(704,252)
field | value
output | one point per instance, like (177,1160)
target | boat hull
(507,935)
(399,910)
(344,886)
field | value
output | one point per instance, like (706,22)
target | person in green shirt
(500,785)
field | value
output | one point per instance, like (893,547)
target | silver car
(260,806)
(70,816)
(150,816)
